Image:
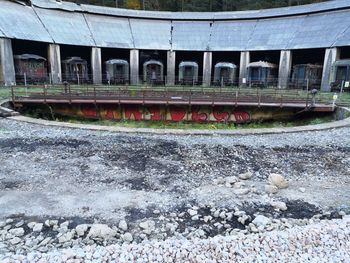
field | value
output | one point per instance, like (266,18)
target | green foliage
(197,5)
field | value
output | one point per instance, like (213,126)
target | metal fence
(174,95)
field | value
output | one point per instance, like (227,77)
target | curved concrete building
(321,30)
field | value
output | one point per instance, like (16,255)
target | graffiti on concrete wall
(170,113)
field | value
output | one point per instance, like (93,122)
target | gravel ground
(166,186)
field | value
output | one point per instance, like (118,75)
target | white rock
(38,227)
(147,226)
(81,229)
(261,220)
(15,240)
(31,224)
(123,225)
(279,205)
(271,189)
(245,176)
(231,180)
(101,231)
(302,189)
(278,180)
(17,232)
(242,191)
(192,212)
(127,237)
(195,217)
(66,237)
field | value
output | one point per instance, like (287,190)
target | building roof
(321,25)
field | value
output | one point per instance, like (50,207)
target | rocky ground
(69,194)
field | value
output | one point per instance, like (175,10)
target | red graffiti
(221,115)
(241,116)
(177,113)
(155,113)
(133,113)
(109,114)
(89,111)
(199,116)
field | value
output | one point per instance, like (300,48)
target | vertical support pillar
(7,66)
(134,66)
(207,66)
(171,55)
(285,69)
(244,61)
(331,55)
(96,65)
(54,57)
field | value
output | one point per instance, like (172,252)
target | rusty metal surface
(167,97)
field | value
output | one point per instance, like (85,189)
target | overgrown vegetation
(197,5)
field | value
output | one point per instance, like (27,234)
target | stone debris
(246,176)
(327,241)
(123,225)
(278,180)
(279,205)
(271,189)
(261,220)
(101,231)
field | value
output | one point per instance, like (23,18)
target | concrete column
(171,55)
(244,61)
(54,57)
(207,65)
(134,66)
(96,65)
(7,66)
(331,55)
(285,69)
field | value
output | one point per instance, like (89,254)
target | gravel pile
(328,241)
(68,193)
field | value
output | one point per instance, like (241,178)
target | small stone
(31,224)
(245,176)
(302,190)
(66,237)
(279,205)
(81,229)
(231,180)
(17,232)
(192,212)
(101,231)
(261,220)
(278,180)
(195,217)
(123,225)
(37,227)
(242,191)
(127,237)
(271,189)
(15,240)
(9,221)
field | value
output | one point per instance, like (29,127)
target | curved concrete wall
(323,25)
